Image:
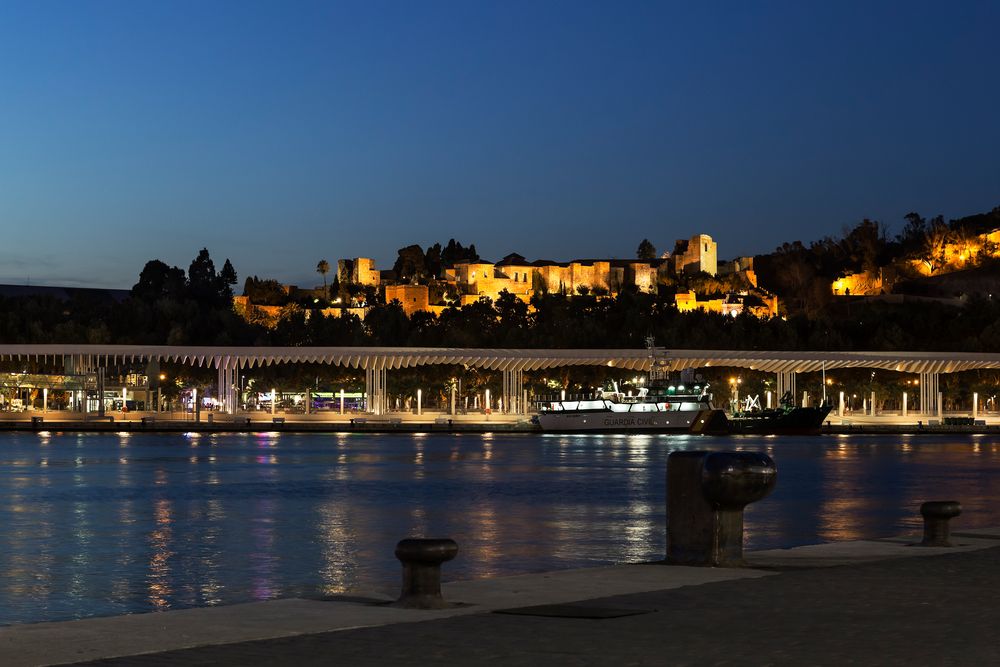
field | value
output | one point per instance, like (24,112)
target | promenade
(877,602)
(407,422)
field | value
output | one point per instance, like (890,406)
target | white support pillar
(904,403)
(487,404)
(370,391)
(452,410)
(341,401)
(274,401)
(375,385)
(940,404)
(786,385)
(383,378)
(805,399)
(195,406)
(100,391)
(228,393)
(513,383)
(504,391)
(872,404)
(420,401)
(45,399)
(929,390)
(768,393)
(308,401)
(840,405)
(975,404)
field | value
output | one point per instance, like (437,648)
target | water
(99,524)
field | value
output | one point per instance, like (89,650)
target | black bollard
(706,495)
(422,560)
(937,514)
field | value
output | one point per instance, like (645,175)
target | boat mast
(657,365)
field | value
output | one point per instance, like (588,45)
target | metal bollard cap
(426,550)
(941,509)
(735,479)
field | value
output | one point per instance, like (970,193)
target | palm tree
(323,268)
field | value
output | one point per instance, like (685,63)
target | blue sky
(281,133)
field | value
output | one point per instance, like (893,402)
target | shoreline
(369,424)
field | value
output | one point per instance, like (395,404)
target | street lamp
(734,386)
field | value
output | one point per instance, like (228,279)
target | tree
(227,278)
(912,236)
(455,253)
(432,260)
(646,250)
(266,292)
(410,264)
(936,240)
(202,278)
(323,268)
(157,280)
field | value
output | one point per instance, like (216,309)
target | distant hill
(62,293)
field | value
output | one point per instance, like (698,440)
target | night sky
(282,133)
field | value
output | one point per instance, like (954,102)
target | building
(699,253)
(858,284)
(358,271)
(739,266)
(759,305)
(412,297)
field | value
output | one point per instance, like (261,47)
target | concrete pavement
(868,602)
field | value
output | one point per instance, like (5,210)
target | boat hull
(798,421)
(675,421)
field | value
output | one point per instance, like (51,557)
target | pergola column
(101,371)
(929,383)
(513,382)
(786,383)
(375,390)
(228,377)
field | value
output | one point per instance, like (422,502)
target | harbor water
(102,524)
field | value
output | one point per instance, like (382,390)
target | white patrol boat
(660,407)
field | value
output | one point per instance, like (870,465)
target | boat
(659,407)
(786,419)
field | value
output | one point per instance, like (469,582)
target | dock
(882,602)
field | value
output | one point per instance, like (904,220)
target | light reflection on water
(103,524)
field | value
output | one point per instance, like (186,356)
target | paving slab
(937,610)
(860,551)
(164,636)
(88,639)
(982,533)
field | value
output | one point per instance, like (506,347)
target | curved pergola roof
(510,359)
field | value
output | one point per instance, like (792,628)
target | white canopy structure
(507,359)
(230,361)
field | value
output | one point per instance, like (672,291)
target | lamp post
(734,386)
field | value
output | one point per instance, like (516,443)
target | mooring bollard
(706,495)
(422,560)
(937,514)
